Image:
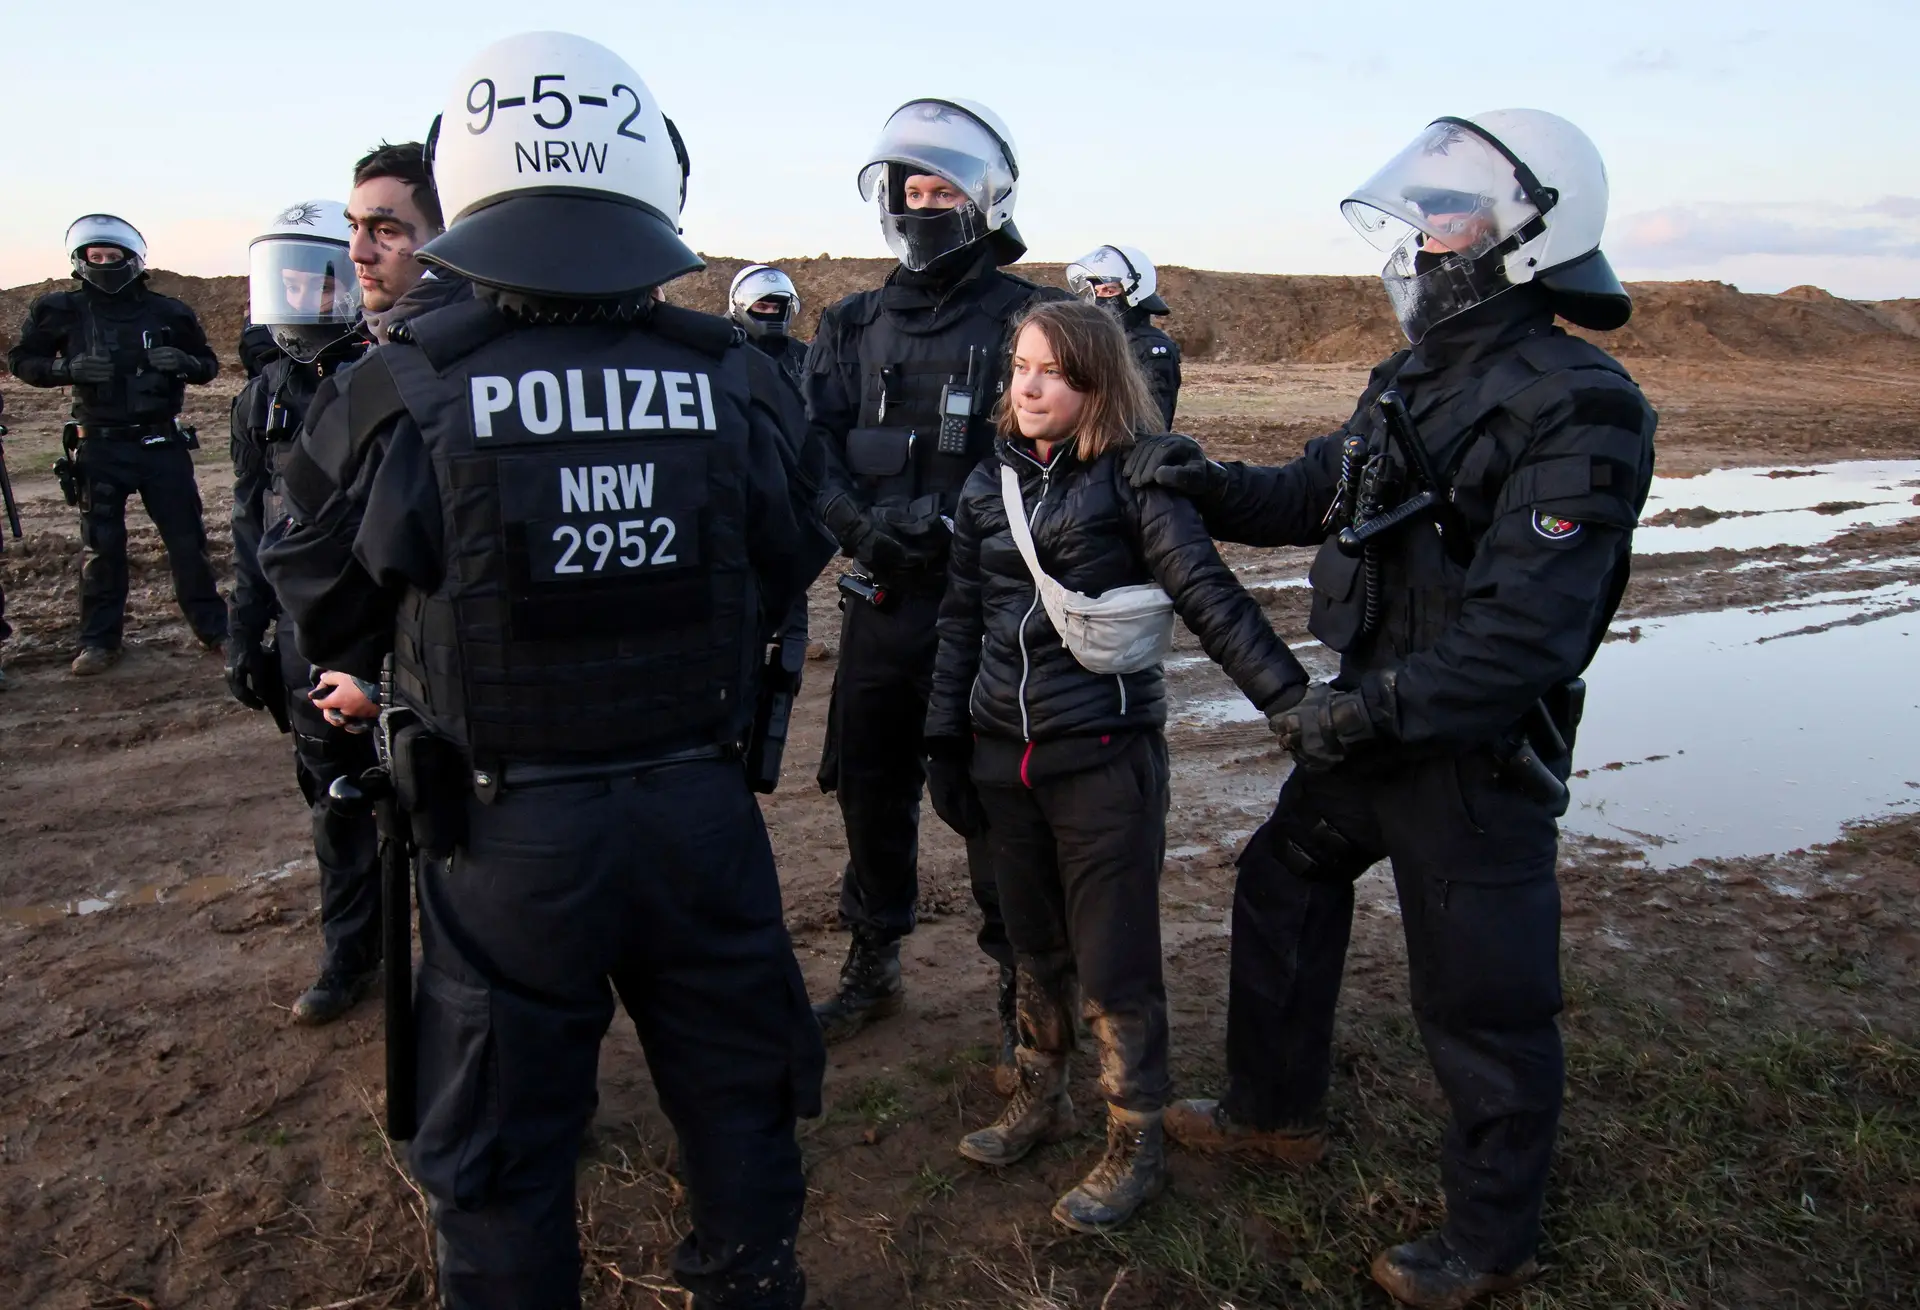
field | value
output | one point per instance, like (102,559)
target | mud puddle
(191,892)
(1748,732)
(1754,508)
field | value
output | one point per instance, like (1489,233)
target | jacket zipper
(1026,663)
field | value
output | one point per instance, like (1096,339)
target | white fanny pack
(1124,631)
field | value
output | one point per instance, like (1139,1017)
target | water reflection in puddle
(1753,508)
(1753,732)
(191,891)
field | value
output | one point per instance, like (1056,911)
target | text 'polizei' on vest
(581,402)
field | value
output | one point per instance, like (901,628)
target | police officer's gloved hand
(864,534)
(243,653)
(1177,463)
(1326,727)
(90,369)
(169,359)
(951,788)
(924,537)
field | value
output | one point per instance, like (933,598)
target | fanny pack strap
(1016,508)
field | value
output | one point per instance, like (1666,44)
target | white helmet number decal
(550,107)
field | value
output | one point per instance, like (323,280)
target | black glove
(243,656)
(864,535)
(1177,463)
(1326,727)
(922,536)
(91,370)
(170,359)
(950,787)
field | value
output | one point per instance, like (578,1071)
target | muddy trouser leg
(714,991)
(109,474)
(172,498)
(1026,866)
(879,708)
(1474,863)
(1292,917)
(346,844)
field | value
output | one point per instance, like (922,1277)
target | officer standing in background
(901,387)
(305,299)
(762,300)
(1123,281)
(1445,742)
(563,509)
(128,353)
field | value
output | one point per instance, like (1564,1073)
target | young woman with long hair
(1066,768)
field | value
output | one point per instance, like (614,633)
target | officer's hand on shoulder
(90,370)
(1176,462)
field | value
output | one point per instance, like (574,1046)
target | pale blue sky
(1761,143)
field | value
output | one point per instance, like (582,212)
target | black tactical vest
(1419,580)
(598,605)
(123,328)
(906,368)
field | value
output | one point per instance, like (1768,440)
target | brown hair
(1092,352)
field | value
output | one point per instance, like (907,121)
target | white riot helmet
(964,142)
(106,230)
(558,174)
(1124,267)
(1475,206)
(300,283)
(753,284)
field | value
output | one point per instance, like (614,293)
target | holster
(430,780)
(67,467)
(270,685)
(779,688)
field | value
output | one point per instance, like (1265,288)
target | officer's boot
(92,661)
(870,988)
(1206,1126)
(335,992)
(1039,1110)
(1006,1071)
(1131,1173)
(1430,1274)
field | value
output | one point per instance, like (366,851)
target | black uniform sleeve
(36,357)
(831,391)
(785,541)
(190,337)
(1284,505)
(1232,627)
(1546,576)
(1163,376)
(252,606)
(962,623)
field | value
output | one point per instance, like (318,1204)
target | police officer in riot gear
(128,353)
(1462,627)
(304,302)
(762,300)
(1123,281)
(900,389)
(565,511)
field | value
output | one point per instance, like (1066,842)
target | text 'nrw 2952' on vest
(539,403)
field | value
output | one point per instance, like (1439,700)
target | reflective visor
(1451,185)
(292,281)
(1105,265)
(930,136)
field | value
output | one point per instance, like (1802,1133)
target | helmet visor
(932,137)
(1452,186)
(1429,287)
(291,281)
(1104,267)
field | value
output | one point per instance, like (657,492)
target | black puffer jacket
(1002,670)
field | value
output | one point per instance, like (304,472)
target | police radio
(956,412)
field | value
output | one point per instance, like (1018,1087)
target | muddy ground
(1741,1127)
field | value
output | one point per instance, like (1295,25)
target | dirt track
(168,1140)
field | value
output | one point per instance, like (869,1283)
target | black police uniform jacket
(87,321)
(574,539)
(1002,669)
(1547,444)
(790,353)
(1159,358)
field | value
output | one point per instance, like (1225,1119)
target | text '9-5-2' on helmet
(114,275)
(1475,206)
(558,173)
(968,145)
(300,282)
(757,285)
(1117,277)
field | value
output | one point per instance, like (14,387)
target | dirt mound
(1272,318)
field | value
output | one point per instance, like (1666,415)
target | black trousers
(1078,861)
(660,888)
(876,764)
(113,469)
(345,844)
(1474,865)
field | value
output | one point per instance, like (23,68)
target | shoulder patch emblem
(1159,350)
(1553,527)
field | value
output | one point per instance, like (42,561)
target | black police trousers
(1078,862)
(876,763)
(112,469)
(659,887)
(1473,862)
(346,844)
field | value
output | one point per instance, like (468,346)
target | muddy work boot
(1038,1111)
(1131,1173)
(1430,1274)
(870,988)
(1006,1069)
(1205,1126)
(332,995)
(95,660)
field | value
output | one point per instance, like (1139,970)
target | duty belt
(516,774)
(165,429)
